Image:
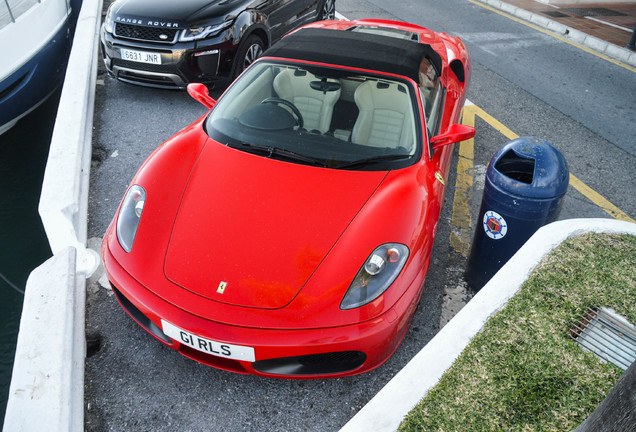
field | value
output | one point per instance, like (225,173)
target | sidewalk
(603,27)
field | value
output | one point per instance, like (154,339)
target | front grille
(151,34)
(139,316)
(152,80)
(213,361)
(314,364)
(162,68)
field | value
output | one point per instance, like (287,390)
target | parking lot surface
(135,383)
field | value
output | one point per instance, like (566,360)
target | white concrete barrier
(64,198)
(47,385)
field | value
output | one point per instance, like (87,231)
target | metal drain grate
(608,335)
(555,14)
(593,12)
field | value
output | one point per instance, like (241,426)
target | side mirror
(454,134)
(200,93)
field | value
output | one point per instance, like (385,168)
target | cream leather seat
(315,106)
(386,116)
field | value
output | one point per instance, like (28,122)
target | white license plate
(141,56)
(220,349)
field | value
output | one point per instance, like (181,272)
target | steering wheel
(291,106)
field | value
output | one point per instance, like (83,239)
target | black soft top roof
(356,49)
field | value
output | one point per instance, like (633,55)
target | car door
(286,15)
(303,11)
(278,14)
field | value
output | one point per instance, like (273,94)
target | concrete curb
(603,47)
(47,383)
(387,409)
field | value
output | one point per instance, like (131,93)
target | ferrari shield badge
(439,177)
(494,225)
(221,288)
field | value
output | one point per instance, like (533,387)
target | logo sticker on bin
(495,225)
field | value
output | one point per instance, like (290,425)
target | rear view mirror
(454,134)
(200,93)
(325,86)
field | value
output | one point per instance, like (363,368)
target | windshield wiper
(252,148)
(270,151)
(371,160)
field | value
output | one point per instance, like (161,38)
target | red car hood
(250,231)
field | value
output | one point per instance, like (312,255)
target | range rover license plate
(220,349)
(141,56)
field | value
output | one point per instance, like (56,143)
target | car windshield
(330,117)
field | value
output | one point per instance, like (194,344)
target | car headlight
(109,24)
(129,216)
(196,32)
(376,275)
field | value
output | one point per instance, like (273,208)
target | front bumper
(208,61)
(281,353)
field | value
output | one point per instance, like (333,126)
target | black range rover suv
(170,43)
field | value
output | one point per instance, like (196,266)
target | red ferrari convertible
(288,232)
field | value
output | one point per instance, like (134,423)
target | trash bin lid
(529,167)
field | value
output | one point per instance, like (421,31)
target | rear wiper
(270,151)
(374,159)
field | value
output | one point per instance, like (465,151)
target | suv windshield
(320,116)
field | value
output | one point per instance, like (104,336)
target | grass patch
(522,372)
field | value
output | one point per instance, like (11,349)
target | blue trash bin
(526,182)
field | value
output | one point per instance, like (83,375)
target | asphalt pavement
(135,383)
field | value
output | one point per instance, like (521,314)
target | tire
(327,10)
(250,49)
